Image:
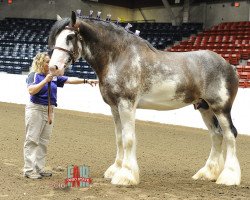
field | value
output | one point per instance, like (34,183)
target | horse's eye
(70,37)
(69,60)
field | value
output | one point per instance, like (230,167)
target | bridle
(73,57)
(71,53)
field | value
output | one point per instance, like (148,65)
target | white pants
(38,132)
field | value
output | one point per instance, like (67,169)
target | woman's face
(46,64)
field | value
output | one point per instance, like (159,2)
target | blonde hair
(38,63)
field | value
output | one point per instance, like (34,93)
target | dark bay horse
(132,74)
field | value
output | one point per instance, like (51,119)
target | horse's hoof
(229,177)
(206,173)
(110,172)
(125,177)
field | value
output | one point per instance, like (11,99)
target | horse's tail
(232,78)
(234,67)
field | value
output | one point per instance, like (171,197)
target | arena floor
(168,156)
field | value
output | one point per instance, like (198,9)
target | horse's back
(204,66)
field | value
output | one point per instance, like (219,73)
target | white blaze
(59,57)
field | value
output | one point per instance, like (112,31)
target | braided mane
(61,24)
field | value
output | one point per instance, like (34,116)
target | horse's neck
(100,54)
(96,56)
(103,44)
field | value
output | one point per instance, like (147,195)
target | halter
(72,53)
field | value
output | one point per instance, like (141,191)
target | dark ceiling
(149,3)
(133,3)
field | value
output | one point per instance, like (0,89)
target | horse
(133,74)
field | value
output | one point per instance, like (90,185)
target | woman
(37,126)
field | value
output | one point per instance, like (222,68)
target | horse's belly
(161,98)
(159,105)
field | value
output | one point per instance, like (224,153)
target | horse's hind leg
(119,154)
(129,173)
(231,174)
(215,162)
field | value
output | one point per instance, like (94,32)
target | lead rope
(49,104)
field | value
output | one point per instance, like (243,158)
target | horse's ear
(58,17)
(73,18)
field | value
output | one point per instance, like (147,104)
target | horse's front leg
(119,155)
(129,173)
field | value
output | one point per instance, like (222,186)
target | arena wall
(85,98)
(225,12)
(209,14)
(42,9)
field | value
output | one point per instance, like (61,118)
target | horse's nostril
(56,67)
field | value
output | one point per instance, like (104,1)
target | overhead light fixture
(236,4)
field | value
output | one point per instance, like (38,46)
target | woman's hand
(34,89)
(48,78)
(92,82)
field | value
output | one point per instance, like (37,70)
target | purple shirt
(42,96)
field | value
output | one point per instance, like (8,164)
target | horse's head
(65,41)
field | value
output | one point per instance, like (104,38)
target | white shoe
(45,173)
(32,175)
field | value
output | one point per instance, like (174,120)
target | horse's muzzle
(53,69)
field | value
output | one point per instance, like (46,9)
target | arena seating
(21,39)
(161,35)
(244,75)
(81,69)
(231,40)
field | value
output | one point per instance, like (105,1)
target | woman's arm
(34,89)
(73,80)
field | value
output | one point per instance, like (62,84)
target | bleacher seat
(161,35)
(231,40)
(244,83)
(21,39)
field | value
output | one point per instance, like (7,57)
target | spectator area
(21,39)
(162,35)
(231,40)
